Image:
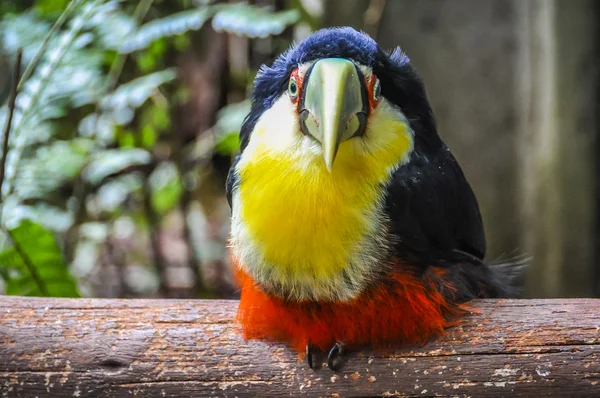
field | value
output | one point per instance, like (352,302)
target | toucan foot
(336,351)
(309,355)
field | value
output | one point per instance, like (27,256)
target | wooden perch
(187,348)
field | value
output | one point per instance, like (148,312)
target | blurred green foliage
(34,265)
(94,119)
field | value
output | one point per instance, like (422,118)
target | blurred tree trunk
(559,90)
(514,86)
(345,13)
(466,53)
(207,73)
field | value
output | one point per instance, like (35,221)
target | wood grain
(191,348)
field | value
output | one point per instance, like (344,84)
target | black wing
(433,210)
(231,180)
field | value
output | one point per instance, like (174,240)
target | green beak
(332,109)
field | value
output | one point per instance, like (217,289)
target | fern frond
(172,25)
(34,89)
(252,21)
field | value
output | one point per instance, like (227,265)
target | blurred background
(127,114)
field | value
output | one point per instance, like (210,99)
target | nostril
(308,122)
(362,124)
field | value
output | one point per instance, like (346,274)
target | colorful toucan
(352,223)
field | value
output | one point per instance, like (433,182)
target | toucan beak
(332,108)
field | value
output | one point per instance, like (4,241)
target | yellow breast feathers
(302,231)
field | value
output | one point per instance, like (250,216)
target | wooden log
(192,348)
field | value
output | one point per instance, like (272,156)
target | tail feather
(510,273)
(471,278)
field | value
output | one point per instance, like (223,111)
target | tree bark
(192,348)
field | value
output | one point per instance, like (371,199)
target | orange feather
(402,309)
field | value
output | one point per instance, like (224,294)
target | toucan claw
(336,351)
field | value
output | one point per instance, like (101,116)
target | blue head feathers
(342,42)
(400,83)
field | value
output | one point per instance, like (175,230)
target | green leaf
(68,74)
(126,139)
(113,194)
(228,144)
(252,21)
(241,19)
(166,186)
(149,59)
(26,31)
(172,25)
(156,116)
(49,167)
(111,25)
(10,259)
(168,196)
(157,48)
(148,136)
(181,43)
(160,118)
(133,94)
(50,216)
(112,161)
(50,6)
(227,127)
(39,263)
(146,62)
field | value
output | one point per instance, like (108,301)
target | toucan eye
(293,88)
(377,91)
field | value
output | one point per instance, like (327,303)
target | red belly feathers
(402,309)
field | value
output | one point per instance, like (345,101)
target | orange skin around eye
(370,83)
(370,86)
(295,74)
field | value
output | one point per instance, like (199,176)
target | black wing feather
(232,180)
(432,208)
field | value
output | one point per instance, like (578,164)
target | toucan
(352,222)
